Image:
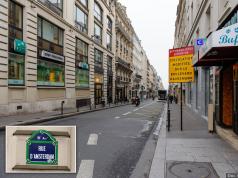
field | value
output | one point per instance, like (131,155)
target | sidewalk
(192,153)
(33,118)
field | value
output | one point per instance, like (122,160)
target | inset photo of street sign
(40,149)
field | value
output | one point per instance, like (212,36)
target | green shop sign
(19,46)
(42,148)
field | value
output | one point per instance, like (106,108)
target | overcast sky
(154,23)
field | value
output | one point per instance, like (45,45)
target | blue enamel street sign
(42,148)
(19,46)
(200,41)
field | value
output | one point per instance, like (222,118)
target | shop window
(16,69)
(54,5)
(50,74)
(82,78)
(16,62)
(81,20)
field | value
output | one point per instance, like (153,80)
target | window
(50,73)
(16,62)
(50,37)
(97,12)
(109,24)
(50,64)
(97,33)
(109,41)
(81,20)
(109,63)
(50,32)
(84,2)
(15,24)
(82,72)
(15,69)
(98,57)
(54,5)
(81,51)
(82,78)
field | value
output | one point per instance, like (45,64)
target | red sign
(181,51)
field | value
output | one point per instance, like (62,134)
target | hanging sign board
(180,65)
(42,149)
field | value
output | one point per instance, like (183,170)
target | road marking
(117,117)
(86,169)
(136,109)
(126,113)
(93,139)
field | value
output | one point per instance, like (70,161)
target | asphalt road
(122,136)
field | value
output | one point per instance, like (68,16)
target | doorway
(98,94)
(235,108)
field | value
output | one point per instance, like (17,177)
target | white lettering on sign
(42,156)
(52,56)
(41,148)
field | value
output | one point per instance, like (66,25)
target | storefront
(220,51)
(51,62)
(98,76)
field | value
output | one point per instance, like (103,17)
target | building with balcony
(137,67)
(54,51)
(124,54)
(210,26)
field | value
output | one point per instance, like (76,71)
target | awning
(221,48)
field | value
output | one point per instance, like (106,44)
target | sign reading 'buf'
(180,65)
(42,148)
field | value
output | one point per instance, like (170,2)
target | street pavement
(193,152)
(112,143)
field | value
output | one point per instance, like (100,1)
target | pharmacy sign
(42,148)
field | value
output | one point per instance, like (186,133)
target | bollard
(168,120)
(62,107)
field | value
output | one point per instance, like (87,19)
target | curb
(57,117)
(158,165)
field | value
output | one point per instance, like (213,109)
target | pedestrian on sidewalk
(171,98)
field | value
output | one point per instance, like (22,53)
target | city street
(109,142)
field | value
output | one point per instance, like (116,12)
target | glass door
(98,94)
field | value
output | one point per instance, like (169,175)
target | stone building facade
(137,67)
(124,54)
(70,47)
(198,24)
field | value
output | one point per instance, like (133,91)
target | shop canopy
(220,48)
